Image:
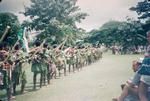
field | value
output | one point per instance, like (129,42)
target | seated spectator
(131,86)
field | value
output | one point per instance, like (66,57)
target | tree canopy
(129,33)
(9,19)
(55,18)
(143,10)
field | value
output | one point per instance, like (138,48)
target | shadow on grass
(28,89)
(3,94)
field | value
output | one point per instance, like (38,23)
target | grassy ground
(97,82)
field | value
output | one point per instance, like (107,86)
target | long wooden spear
(5,33)
(10,52)
(62,44)
(40,47)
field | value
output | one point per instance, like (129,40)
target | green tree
(52,17)
(129,33)
(9,19)
(142,8)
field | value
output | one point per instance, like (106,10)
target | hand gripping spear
(9,70)
(39,48)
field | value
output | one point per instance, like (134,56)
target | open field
(97,82)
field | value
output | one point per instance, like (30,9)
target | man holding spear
(6,67)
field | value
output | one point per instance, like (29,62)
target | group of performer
(46,61)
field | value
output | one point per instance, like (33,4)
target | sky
(99,11)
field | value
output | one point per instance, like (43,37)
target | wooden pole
(5,33)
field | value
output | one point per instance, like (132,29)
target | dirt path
(97,82)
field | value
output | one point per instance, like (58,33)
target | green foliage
(9,19)
(129,33)
(142,9)
(146,26)
(56,18)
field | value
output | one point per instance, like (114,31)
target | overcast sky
(100,11)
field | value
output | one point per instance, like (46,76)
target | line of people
(46,61)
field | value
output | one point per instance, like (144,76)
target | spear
(5,33)
(10,52)
(62,44)
(40,47)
